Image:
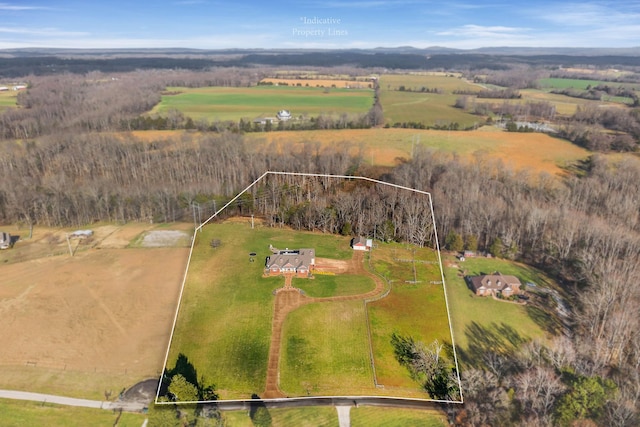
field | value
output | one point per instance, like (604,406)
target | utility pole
(69,245)
(252,221)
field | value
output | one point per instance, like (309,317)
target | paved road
(71,401)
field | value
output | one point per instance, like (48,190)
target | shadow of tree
(500,339)
(183,367)
(547,321)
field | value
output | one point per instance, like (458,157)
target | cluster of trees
(427,366)
(182,384)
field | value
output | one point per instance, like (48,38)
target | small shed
(361,244)
(5,240)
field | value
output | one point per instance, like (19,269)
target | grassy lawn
(417,310)
(319,416)
(331,286)
(229,103)
(484,323)
(364,416)
(325,351)
(224,324)
(23,413)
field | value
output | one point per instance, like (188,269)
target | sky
(329,24)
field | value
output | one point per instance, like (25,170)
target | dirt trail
(289,298)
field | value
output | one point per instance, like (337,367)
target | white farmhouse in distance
(283,115)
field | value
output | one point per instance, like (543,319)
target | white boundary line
(362,178)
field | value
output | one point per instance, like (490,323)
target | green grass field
(560,83)
(8,99)
(428,108)
(339,285)
(224,324)
(325,351)
(395,417)
(482,322)
(230,103)
(16,413)
(414,309)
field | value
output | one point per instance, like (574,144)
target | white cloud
(7,6)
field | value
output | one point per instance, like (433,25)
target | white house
(5,240)
(283,115)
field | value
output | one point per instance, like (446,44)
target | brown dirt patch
(104,310)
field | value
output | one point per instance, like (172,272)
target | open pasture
(224,323)
(82,325)
(582,84)
(231,103)
(225,319)
(431,109)
(326,351)
(414,307)
(534,151)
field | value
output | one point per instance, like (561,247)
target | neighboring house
(5,240)
(291,261)
(283,115)
(3,88)
(493,283)
(361,244)
(468,254)
(264,120)
(19,87)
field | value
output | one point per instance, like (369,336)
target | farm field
(430,109)
(224,324)
(562,83)
(8,99)
(535,151)
(79,326)
(482,322)
(230,103)
(359,83)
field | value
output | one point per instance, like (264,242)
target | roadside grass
(230,103)
(68,382)
(24,413)
(310,416)
(224,322)
(325,350)
(482,322)
(369,416)
(414,309)
(339,285)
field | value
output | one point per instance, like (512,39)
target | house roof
(496,282)
(299,258)
(359,241)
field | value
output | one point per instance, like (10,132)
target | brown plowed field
(101,312)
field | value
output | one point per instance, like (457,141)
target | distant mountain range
(41,61)
(433,50)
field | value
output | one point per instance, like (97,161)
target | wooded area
(62,164)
